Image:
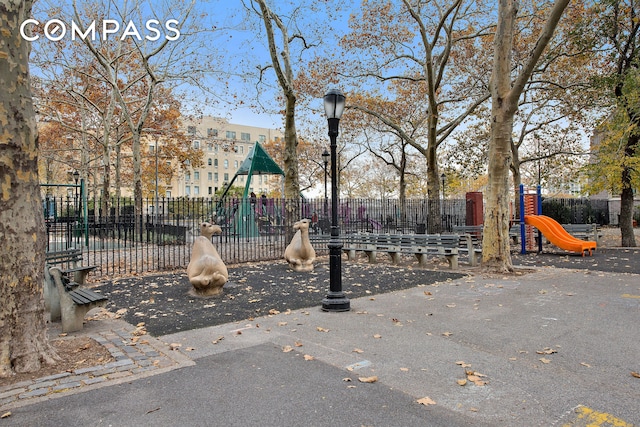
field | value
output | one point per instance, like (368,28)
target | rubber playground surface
(163,301)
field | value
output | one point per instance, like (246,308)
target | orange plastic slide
(558,236)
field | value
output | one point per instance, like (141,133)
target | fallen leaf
(585,364)
(174,346)
(545,361)
(320,329)
(297,344)
(372,379)
(427,293)
(282,323)
(189,349)
(404,369)
(463,364)
(347,379)
(308,357)
(547,350)
(447,334)
(287,349)
(274,311)
(462,382)
(6,415)
(451,305)
(220,338)
(357,350)
(426,401)
(635,374)
(377,336)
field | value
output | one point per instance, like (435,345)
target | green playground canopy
(257,162)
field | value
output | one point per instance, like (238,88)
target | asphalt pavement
(548,346)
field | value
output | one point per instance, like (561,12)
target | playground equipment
(257,162)
(550,228)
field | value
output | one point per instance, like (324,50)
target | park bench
(419,245)
(70,263)
(471,245)
(588,232)
(73,301)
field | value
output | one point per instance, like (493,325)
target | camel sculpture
(300,254)
(206,270)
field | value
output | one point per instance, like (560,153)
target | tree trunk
(504,102)
(433,192)
(626,210)
(291,181)
(495,240)
(23,340)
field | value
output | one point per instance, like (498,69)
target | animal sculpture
(300,254)
(206,270)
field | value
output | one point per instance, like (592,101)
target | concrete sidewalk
(551,348)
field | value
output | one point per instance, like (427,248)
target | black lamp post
(325,159)
(335,300)
(76,176)
(443,177)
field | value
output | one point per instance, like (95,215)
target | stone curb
(134,359)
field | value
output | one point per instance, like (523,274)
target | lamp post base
(336,301)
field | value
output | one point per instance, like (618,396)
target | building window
(168,194)
(210,147)
(191,130)
(215,177)
(187,176)
(241,149)
(187,190)
(226,177)
(210,190)
(209,161)
(196,176)
(262,139)
(212,132)
(235,164)
(244,136)
(215,162)
(196,144)
(231,134)
(196,190)
(210,176)
(226,163)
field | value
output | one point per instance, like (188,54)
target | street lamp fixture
(325,159)
(443,177)
(335,300)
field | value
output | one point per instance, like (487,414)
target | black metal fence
(160,238)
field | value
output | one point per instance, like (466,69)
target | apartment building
(225,146)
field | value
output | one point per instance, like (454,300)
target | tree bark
(504,96)
(23,340)
(626,196)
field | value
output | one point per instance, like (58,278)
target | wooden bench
(74,301)
(70,261)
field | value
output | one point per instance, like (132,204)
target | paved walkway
(553,348)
